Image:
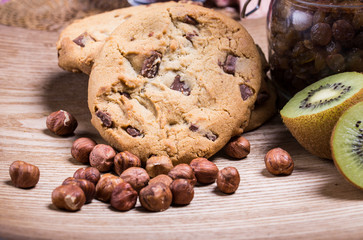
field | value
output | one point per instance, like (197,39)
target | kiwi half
(313,112)
(347,144)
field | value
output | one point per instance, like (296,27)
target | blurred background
(53,15)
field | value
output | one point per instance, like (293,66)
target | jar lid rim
(330,4)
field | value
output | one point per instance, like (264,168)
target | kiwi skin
(313,131)
(346,164)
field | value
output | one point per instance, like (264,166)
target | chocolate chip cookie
(80,42)
(180,81)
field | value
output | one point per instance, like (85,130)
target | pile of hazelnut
(157,186)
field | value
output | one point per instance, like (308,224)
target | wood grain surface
(315,202)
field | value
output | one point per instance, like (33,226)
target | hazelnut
(183,171)
(68,197)
(123,197)
(82,148)
(182,190)
(137,177)
(161,178)
(87,187)
(125,160)
(91,174)
(228,180)
(105,186)
(101,157)
(279,162)
(61,123)
(205,171)
(24,175)
(157,165)
(238,148)
(156,197)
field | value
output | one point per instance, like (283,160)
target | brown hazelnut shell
(123,197)
(81,149)
(68,197)
(90,173)
(88,187)
(156,197)
(279,162)
(61,123)
(183,171)
(228,180)
(205,171)
(106,185)
(182,190)
(23,174)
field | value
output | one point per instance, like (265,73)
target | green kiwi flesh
(347,144)
(313,112)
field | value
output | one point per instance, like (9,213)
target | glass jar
(311,39)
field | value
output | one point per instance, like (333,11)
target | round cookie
(180,81)
(80,42)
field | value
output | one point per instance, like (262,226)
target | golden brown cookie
(80,42)
(180,81)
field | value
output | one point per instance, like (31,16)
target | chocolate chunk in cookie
(190,20)
(180,86)
(193,128)
(82,39)
(246,92)
(133,131)
(127,95)
(105,118)
(211,136)
(190,36)
(229,65)
(151,65)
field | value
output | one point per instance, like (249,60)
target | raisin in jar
(311,39)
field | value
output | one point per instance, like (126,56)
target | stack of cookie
(171,79)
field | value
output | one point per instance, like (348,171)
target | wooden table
(315,202)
